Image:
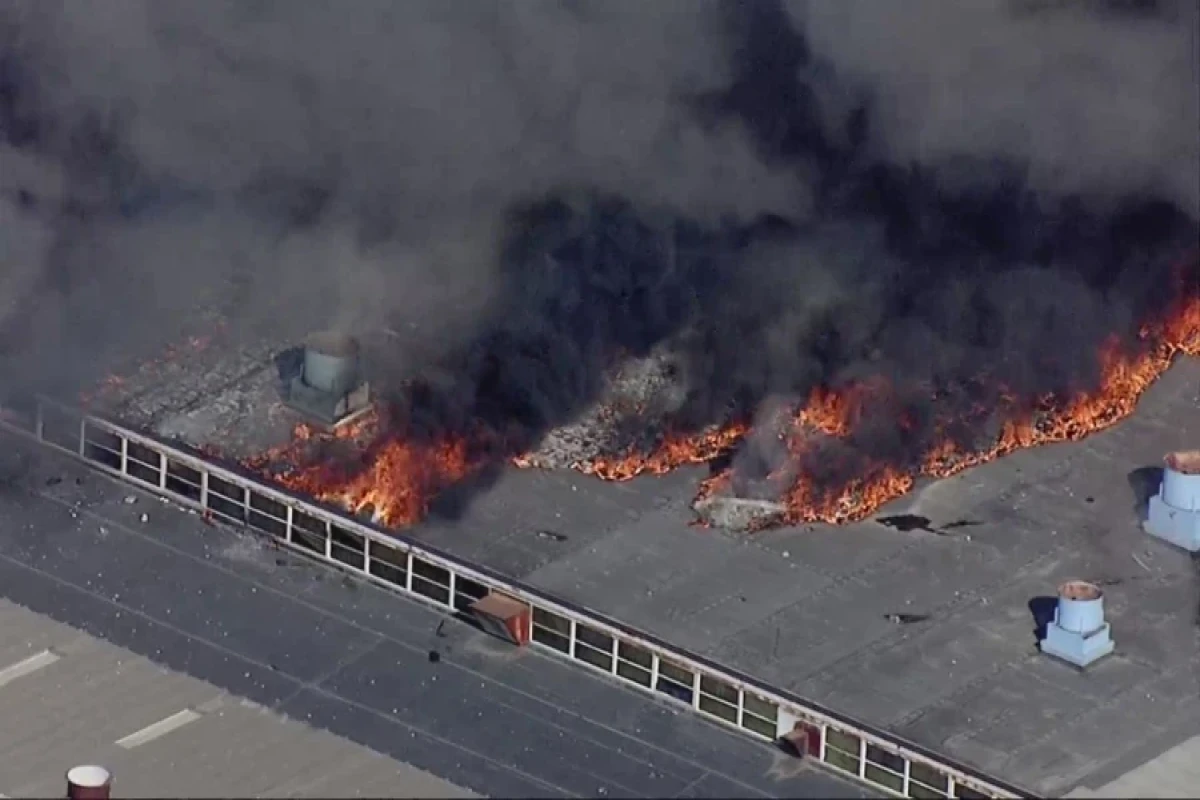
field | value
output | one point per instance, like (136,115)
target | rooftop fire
(845,280)
(371,468)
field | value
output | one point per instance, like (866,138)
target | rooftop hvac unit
(1174,513)
(328,386)
(504,617)
(1079,633)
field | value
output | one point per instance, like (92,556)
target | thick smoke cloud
(1090,96)
(314,151)
(956,197)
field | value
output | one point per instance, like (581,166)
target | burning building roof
(838,318)
(916,618)
(800,274)
(396,479)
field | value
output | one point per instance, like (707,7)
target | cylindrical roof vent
(331,363)
(88,783)
(1080,607)
(1181,480)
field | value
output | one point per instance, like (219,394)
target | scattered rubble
(738,514)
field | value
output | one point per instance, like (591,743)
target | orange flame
(1125,377)
(397,479)
(398,483)
(676,450)
(394,480)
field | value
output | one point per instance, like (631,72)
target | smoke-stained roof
(819,610)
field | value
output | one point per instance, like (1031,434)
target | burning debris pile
(822,476)
(640,394)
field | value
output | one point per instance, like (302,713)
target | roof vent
(329,387)
(1079,634)
(88,782)
(1174,513)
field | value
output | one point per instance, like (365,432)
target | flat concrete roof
(1174,774)
(809,609)
(73,699)
(247,623)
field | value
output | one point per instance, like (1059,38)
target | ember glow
(395,480)
(113,385)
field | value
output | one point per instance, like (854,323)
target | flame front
(676,450)
(397,479)
(1125,376)
(392,479)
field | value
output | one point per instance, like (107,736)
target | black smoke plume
(961,200)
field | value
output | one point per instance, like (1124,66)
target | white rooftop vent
(1174,513)
(1079,634)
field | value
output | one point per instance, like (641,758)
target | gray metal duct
(331,363)
(325,382)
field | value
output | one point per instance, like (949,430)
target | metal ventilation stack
(1174,513)
(329,386)
(89,782)
(1079,633)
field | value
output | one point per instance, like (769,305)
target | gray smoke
(367,152)
(793,192)
(1090,96)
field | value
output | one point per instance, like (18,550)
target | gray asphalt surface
(228,609)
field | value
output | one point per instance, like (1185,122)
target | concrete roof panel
(1001,535)
(263,627)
